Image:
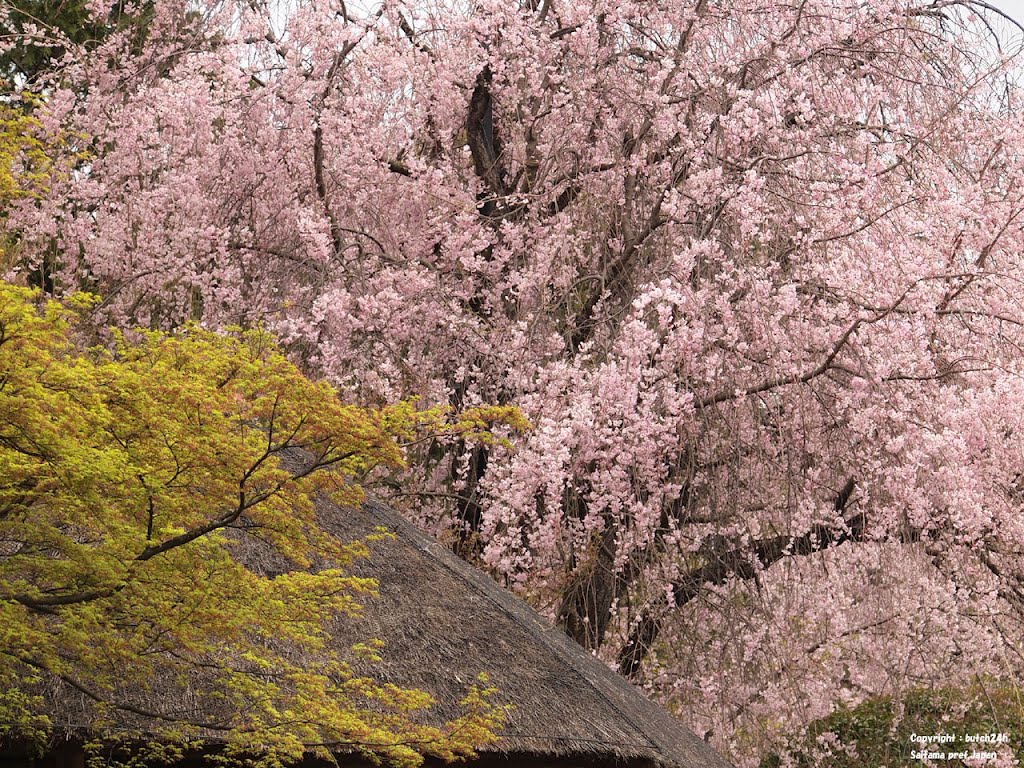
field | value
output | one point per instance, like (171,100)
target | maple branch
(46,604)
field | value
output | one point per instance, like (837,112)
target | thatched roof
(444,621)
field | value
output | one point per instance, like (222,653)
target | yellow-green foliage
(126,479)
(24,154)
(473,425)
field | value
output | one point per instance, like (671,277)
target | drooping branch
(338,61)
(321,187)
(822,367)
(585,610)
(726,561)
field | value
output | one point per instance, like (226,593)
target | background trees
(751,271)
(38,34)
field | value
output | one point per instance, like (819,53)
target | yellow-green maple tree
(127,480)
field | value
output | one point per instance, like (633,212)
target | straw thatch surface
(444,621)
